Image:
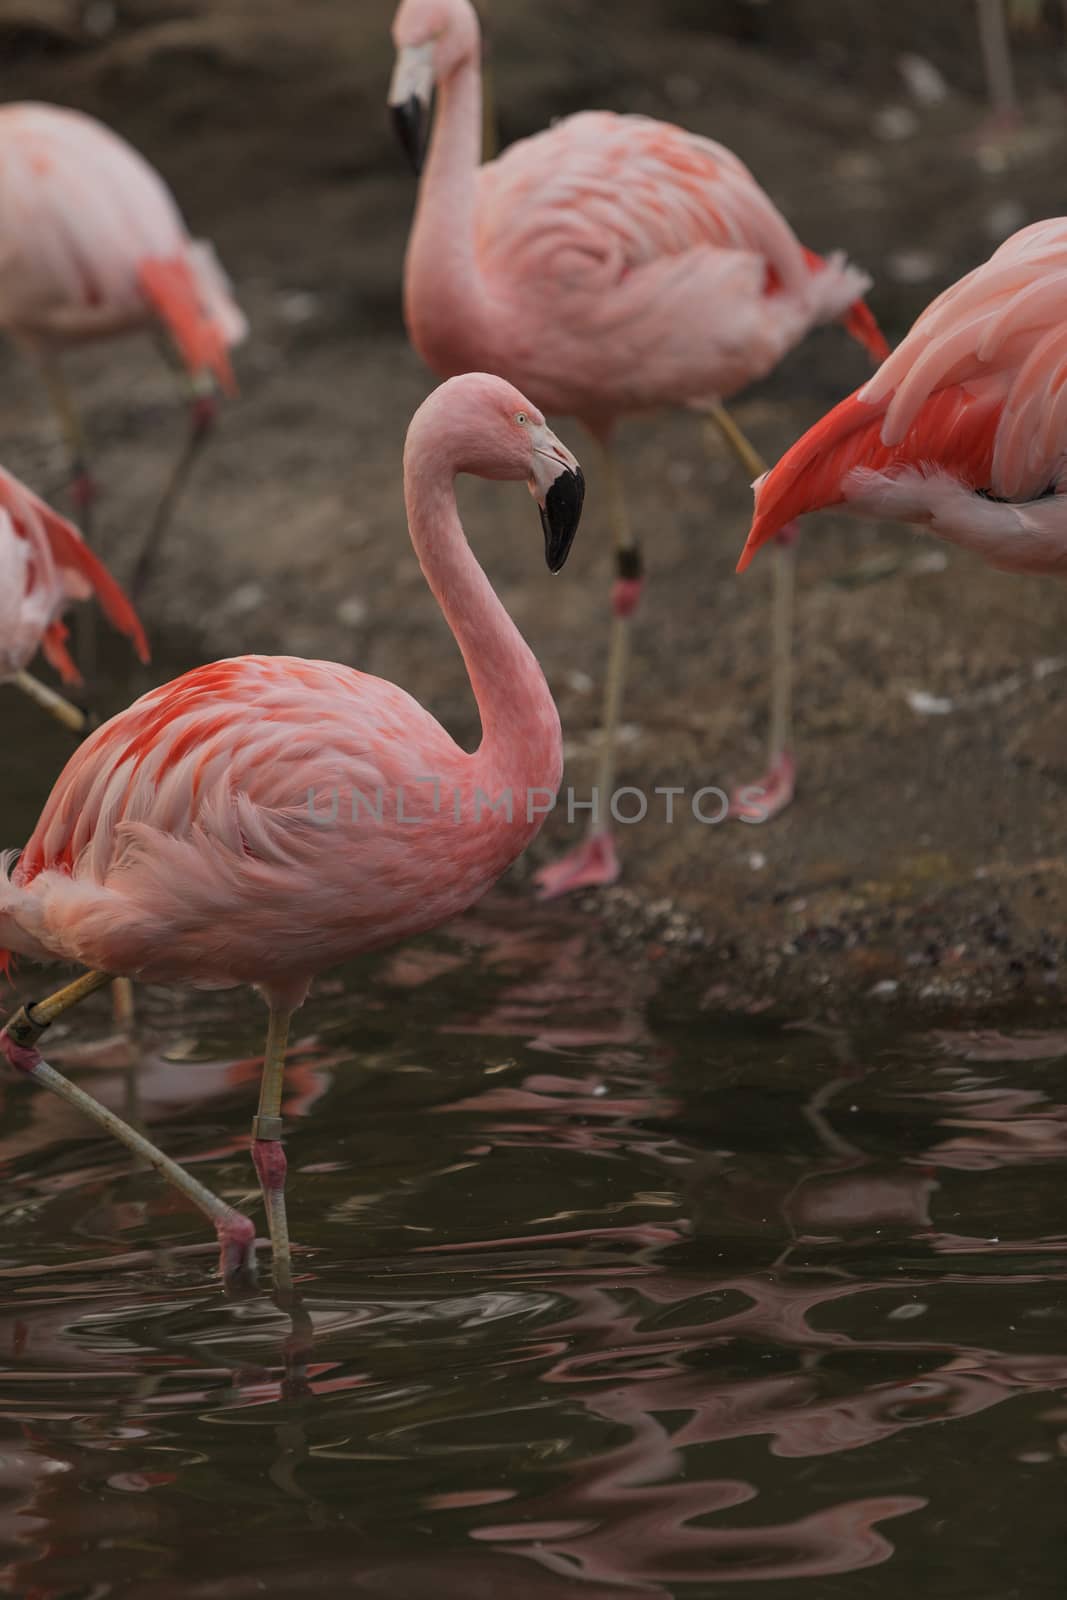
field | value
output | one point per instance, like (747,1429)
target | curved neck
(444,295)
(521,746)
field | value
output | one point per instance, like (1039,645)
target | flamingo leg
(764,799)
(81,487)
(200,393)
(18,1044)
(82,490)
(996,56)
(122,1008)
(268,1153)
(594,863)
(71,716)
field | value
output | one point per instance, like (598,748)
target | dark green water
(601,1296)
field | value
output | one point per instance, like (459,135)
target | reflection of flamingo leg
(268,1153)
(122,1013)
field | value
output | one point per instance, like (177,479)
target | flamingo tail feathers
(954,432)
(170,286)
(71,551)
(858,320)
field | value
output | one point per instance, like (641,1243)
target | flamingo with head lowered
(607,266)
(261,819)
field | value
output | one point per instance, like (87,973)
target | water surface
(600,1295)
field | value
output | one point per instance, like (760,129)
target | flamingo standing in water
(261,819)
(964,429)
(94,246)
(607,266)
(45,565)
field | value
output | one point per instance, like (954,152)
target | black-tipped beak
(411,120)
(561,514)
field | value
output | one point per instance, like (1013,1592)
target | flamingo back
(599,195)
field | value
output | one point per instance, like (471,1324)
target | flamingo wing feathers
(604,194)
(83,573)
(598,197)
(227,753)
(977,391)
(172,288)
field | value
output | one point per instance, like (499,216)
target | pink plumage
(964,428)
(262,818)
(607,265)
(44,567)
(94,244)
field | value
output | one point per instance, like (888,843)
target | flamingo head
(433,38)
(493,431)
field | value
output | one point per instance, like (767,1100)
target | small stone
(352,612)
(924,82)
(928,705)
(245,598)
(912,266)
(297,306)
(895,123)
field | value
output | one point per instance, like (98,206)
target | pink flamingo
(94,247)
(607,266)
(44,566)
(964,429)
(261,819)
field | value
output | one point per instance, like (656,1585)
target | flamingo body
(45,566)
(208,835)
(94,245)
(621,264)
(209,802)
(964,428)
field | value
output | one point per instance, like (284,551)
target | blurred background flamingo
(94,247)
(184,841)
(607,266)
(45,566)
(964,429)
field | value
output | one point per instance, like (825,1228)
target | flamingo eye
(521,418)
